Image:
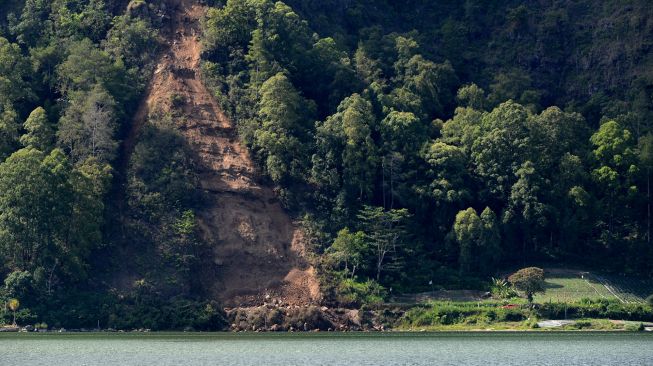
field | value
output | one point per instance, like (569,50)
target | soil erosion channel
(257,248)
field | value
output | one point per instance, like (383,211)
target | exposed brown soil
(258,250)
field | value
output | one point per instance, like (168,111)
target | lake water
(487,349)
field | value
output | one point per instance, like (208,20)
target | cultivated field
(564,285)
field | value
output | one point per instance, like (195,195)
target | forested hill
(414,141)
(566,52)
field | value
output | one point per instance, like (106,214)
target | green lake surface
(487,349)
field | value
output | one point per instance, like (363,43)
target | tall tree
(87,129)
(349,248)
(385,231)
(501,149)
(478,241)
(14,90)
(424,88)
(646,159)
(491,241)
(35,201)
(35,24)
(471,96)
(86,66)
(447,172)
(468,230)
(403,132)
(40,133)
(360,157)
(286,118)
(614,174)
(346,155)
(525,207)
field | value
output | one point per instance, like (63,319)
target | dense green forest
(443,140)
(417,141)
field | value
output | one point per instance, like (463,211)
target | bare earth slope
(257,249)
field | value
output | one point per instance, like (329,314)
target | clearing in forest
(565,285)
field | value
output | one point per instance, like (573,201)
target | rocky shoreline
(278,317)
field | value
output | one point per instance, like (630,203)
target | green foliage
(445,313)
(502,147)
(40,134)
(135,309)
(86,66)
(502,289)
(14,90)
(615,175)
(471,96)
(229,28)
(13,305)
(14,74)
(478,240)
(614,145)
(467,232)
(346,158)
(34,220)
(426,87)
(599,308)
(354,293)
(387,235)
(393,137)
(283,128)
(160,175)
(19,284)
(52,221)
(381,95)
(87,128)
(403,132)
(446,169)
(359,157)
(132,40)
(635,327)
(348,249)
(88,20)
(163,196)
(514,85)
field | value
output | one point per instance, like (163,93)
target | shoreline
(649,330)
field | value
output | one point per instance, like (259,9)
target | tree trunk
(51,275)
(648,206)
(383,183)
(378,271)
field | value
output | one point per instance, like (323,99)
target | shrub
(353,293)
(177,101)
(462,313)
(531,323)
(598,309)
(502,289)
(581,324)
(635,327)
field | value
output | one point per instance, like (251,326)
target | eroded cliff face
(257,249)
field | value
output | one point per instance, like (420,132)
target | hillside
(163,160)
(256,248)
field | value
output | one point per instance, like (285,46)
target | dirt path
(258,250)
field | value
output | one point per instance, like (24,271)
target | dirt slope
(257,249)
